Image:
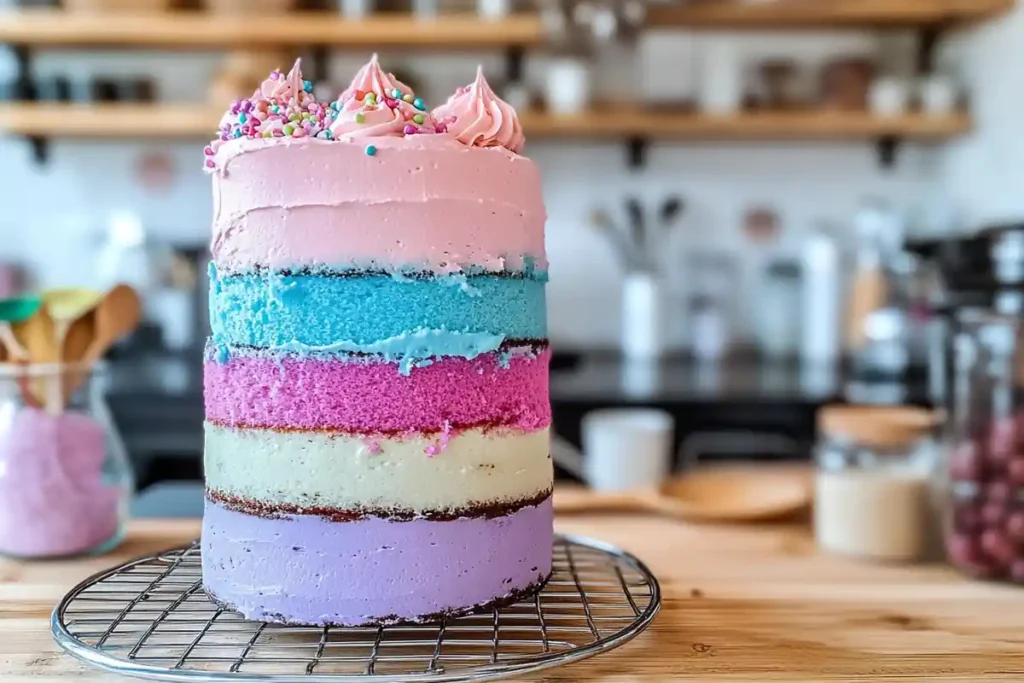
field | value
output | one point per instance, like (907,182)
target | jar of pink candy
(65,481)
(985,535)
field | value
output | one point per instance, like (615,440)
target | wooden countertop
(740,604)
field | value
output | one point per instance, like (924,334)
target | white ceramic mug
(624,448)
(938,95)
(568,86)
(721,82)
(888,97)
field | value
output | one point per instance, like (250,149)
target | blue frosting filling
(408,319)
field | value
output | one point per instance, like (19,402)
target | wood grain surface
(742,603)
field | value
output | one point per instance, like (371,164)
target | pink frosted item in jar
(53,499)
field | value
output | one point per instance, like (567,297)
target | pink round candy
(967,518)
(997,547)
(965,465)
(208,151)
(1015,527)
(410,130)
(993,514)
(1015,470)
(298,133)
(962,550)
(1001,440)
(999,491)
(210,163)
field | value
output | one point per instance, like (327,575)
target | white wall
(983,173)
(52,215)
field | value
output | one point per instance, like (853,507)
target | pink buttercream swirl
(479,118)
(378,104)
(283,106)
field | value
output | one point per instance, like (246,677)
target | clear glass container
(874,484)
(65,481)
(985,530)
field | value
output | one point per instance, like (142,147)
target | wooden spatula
(117,315)
(37,335)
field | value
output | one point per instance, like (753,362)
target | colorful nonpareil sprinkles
(284,106)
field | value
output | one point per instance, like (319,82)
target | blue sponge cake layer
(274,310)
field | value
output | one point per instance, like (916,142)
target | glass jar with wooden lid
(873,485)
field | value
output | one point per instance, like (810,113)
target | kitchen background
(804,178)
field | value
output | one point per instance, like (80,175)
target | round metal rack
(150,618)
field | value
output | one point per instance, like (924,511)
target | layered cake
(377,410)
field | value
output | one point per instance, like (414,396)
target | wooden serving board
(741,603)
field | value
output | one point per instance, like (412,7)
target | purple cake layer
(307,570)
(370,396)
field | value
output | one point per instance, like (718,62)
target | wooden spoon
(741,493)
(80,336)
(66,306)
(118,314)
(37,334)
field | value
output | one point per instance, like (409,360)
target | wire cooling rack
(150,618)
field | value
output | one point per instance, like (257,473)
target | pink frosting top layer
(372,397)
(423,201)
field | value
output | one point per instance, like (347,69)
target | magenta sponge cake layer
(366,395)
(307,570)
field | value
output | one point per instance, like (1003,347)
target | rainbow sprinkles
(376,104)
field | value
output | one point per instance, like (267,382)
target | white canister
(425,10)
(493,10)
(938,95)
(642,316)
(721,76)
(568,86)
(888,96)
(626,448)
(356,9)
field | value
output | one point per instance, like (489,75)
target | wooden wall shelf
(195,30)
(182,122)
(827,13)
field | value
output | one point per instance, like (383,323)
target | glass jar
(985,531)
(874,492)
(65,481)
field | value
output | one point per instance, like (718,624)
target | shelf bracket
(318,55)
(887,147)
(515,57)
(928,39)
(40,149)
(25,91)
(636,152)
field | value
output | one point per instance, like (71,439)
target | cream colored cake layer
(312,469)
